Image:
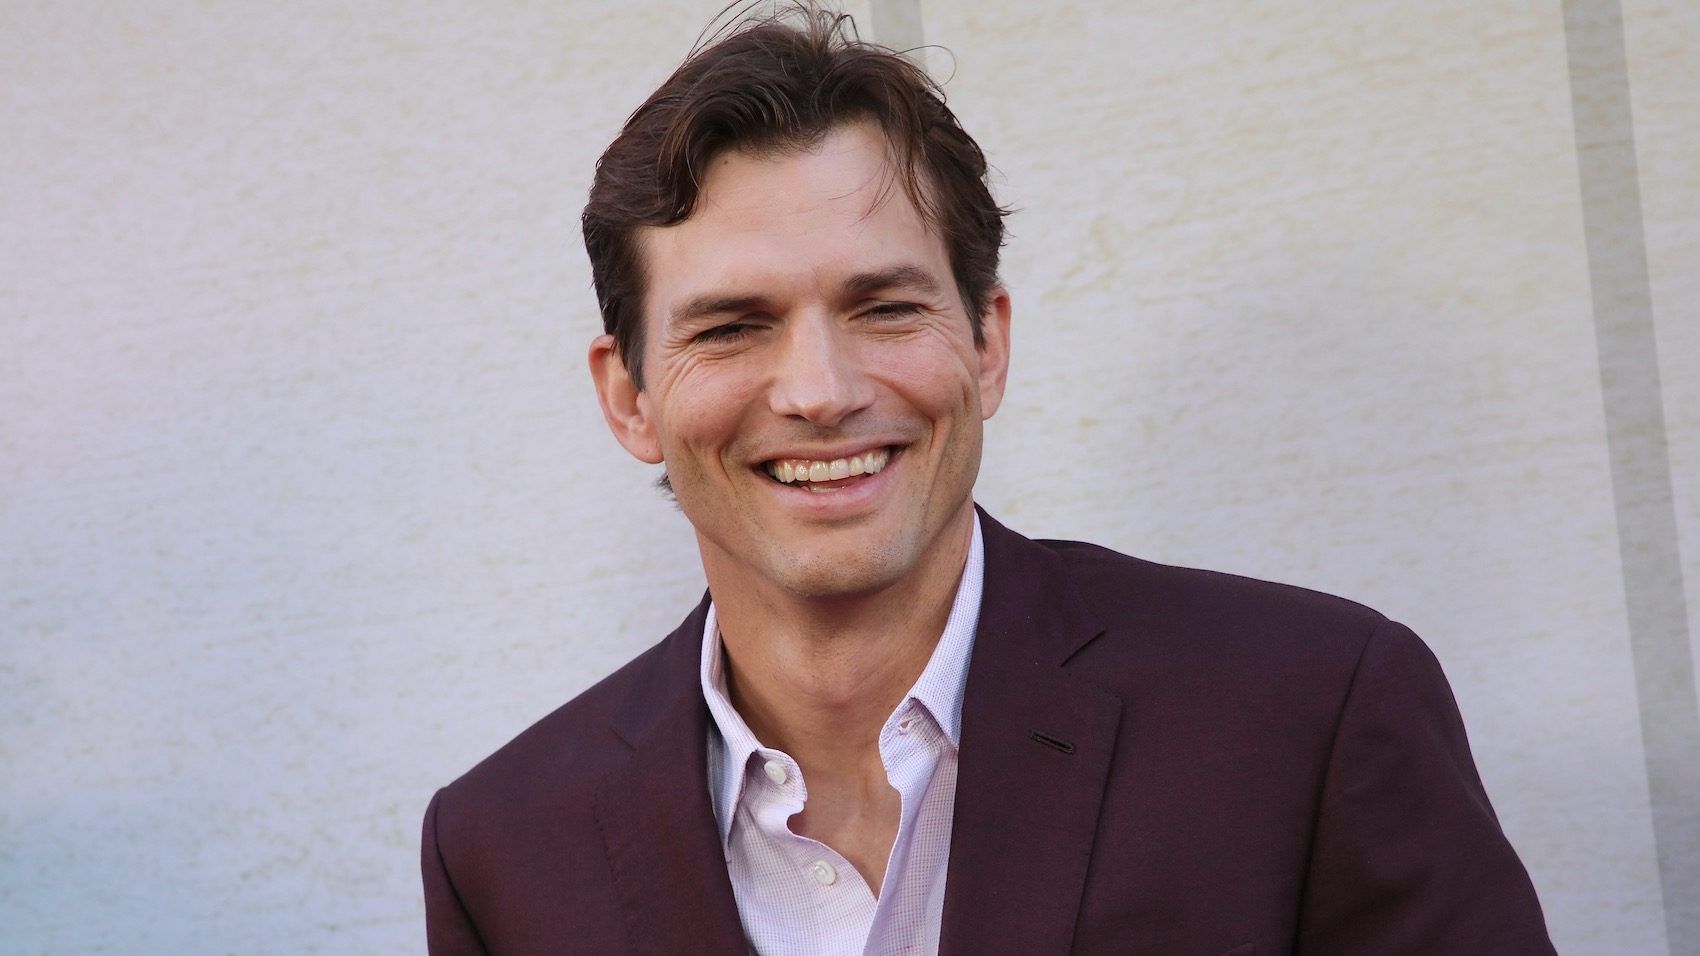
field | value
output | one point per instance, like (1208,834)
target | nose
(820,376)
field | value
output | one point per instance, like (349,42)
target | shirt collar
(939,688)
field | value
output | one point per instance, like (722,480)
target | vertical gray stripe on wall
(897,24)
(1640,459)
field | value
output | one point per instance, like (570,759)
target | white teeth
(791,471)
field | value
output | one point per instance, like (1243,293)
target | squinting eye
(894,308)
(729,331)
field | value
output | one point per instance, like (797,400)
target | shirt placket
(810,880)
(909,748)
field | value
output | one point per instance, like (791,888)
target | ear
(624,406)
(994,351)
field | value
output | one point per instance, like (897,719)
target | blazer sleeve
(449,930)
(1407,855)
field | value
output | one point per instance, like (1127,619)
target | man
(894,725)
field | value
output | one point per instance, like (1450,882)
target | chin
(828,576)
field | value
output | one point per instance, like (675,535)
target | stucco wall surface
(306,504)
(1664,82)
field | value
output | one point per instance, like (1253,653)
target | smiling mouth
(822,476)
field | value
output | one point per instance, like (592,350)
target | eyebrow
(712,304)
(897,277)
(860,285)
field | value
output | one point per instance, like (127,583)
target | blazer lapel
(656,819)
(1035,756)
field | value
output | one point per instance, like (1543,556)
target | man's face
(801,324)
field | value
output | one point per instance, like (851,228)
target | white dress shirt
(798,896)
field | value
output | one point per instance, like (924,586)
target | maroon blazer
(1154,760)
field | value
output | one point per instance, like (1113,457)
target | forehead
(792,218)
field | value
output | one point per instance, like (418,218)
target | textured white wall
(1664,77)
(306,505)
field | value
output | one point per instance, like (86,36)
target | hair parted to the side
(775,82)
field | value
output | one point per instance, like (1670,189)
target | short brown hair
(775,83)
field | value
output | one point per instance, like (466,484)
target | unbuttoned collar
(939,688)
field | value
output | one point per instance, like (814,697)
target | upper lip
(833,454)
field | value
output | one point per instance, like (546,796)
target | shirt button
(775,771)
(825,875)
(903,726)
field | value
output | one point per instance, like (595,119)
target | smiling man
(892,725)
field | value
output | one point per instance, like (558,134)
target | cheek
(937,382)
(704,403)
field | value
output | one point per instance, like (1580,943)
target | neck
(817,677)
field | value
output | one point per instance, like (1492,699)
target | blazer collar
(657,824)
(1035,757)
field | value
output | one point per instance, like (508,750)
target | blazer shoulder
(1220,659)
(1216,618)
(571,749)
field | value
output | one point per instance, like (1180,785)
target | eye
(730,332)
(893,309)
